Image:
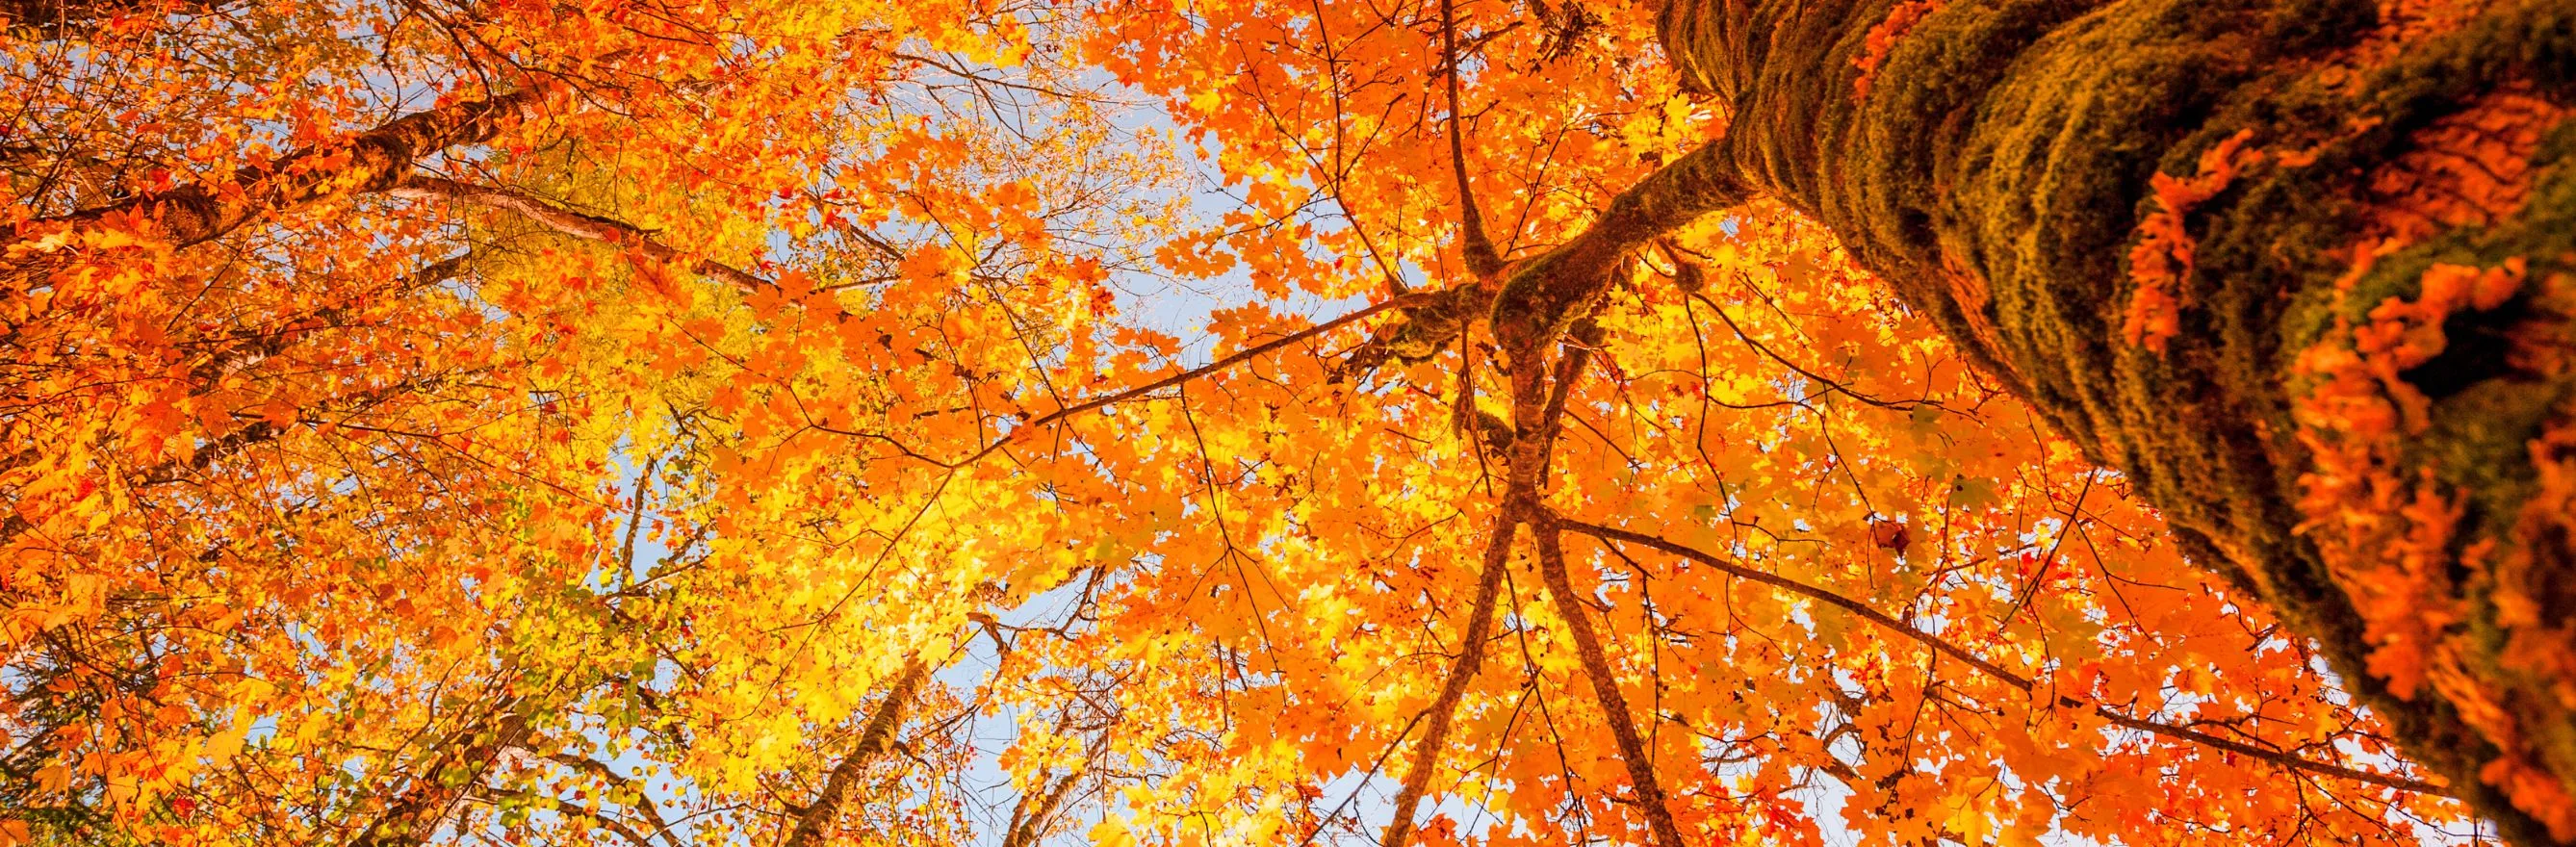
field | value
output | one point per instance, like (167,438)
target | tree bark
(874,737)
(372,161)
(415,816)
(2304,270)
(52,19)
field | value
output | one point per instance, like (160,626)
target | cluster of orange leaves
(2392,538)
(2391,533)
(1882,38)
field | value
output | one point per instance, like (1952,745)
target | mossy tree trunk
(2305,270)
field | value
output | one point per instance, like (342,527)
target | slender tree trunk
(2304,270)
(874,737)
(416,816)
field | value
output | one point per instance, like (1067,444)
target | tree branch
(1238,357)
(1471,656)
(55,19)
(644,804)
(1030,818)
(372,161)
(1605,687)
(416,815)
(1540,297)
(1990,669)
(1543,296)
(575,224)
(873,739)
(1482,260)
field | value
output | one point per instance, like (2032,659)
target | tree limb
(1990,669)
(1482,260)
(416,815)
(1543,296)
(1030,818)
(1605,687)
(575,224)
(1471,656)
(368,162)
(874,738)
(54,19)
(1238,357)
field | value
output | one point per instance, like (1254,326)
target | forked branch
(1531,303)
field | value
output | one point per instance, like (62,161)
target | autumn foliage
(1127,421)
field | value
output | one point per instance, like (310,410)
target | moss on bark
(2313,167)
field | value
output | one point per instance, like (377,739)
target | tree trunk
(2304,270)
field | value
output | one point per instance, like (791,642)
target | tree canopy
(643,423)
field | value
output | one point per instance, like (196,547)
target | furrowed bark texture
(2303,269)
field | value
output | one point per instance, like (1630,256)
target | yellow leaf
(53,778)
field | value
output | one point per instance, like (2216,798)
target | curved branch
(1030,819)
(1990,669)
(1529,304)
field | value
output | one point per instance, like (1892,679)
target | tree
(650,424)
(2297,270)
(288,301)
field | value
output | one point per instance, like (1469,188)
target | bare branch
(1237,358)
(575,224)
